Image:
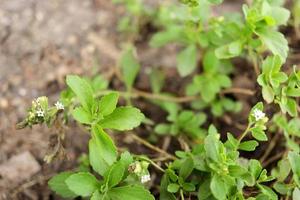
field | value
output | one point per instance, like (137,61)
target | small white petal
(40,113)
(59,105)
(258,114)
(145,178)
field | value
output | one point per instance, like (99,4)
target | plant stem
(245,133)
(134,94)
(152,163)
(150,146)
(181,195)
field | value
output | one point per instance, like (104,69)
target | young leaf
(83,183)
(58,185)
(108,103)
(131,192)
(123,118)
(187,60)
(130,67)
(83,91)
(102,151)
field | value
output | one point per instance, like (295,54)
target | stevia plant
(210,165)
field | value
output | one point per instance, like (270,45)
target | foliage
(210,164)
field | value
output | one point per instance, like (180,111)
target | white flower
(145,178)
(59,105)
(258,114)
(40,113)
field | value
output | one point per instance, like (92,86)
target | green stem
(181,195)
(245,132)
(151,162)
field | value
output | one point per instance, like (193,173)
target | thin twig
(150,146)
(272,144)
(273,158)
(142,94)
(238,91)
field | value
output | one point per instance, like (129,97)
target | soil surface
(43,41)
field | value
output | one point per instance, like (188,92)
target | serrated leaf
(82,89)
(58,185)
(131,192)
(83,184)
(102,151)
(123,118)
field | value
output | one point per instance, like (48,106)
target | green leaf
(275,41)
(215,1)
(259,134)
(130,67)
(189,187)
(291,107)
(123,118)
(230,50)
(186,168)
(296,194)
(58,185)
(83,183)
(82,116)
(204,191)
(164,194)
(248,145)
(187,60)
(268,191)
(294,159)
(210,62)
(115,174)
(108,103)
(97,196)
(132,192)
(211,145)
(218,187)
(83,91)
(162,38)
(173,188)
(255,168)
(236,170)
(102,151)
(162,129)
(268,94)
